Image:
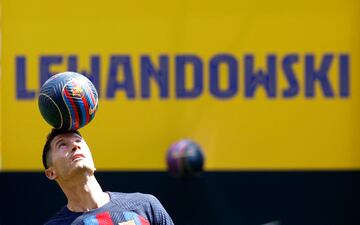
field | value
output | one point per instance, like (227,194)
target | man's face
(70,155)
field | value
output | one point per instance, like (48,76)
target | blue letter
(93,74)
(181,61)
(252,79)
(214,76)
(21,91)
(127,84)
(45,63)
(161,76)
(344,75)
(293,88)
(311,75)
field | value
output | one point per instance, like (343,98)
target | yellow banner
(257,84)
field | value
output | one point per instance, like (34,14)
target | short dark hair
(53,133)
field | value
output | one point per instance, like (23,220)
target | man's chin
(83,168)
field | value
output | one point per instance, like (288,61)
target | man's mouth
(77,156)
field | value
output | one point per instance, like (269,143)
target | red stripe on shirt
(104,218)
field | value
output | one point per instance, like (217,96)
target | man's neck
(84,194)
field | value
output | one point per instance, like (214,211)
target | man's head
(64,153)
(54,132)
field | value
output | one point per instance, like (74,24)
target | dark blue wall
(214,198)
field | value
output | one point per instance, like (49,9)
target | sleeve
(159,214)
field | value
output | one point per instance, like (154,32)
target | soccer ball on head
(68,101)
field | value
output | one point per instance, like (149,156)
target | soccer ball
(185,159)
(68,101)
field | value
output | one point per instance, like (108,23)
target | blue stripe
(83,113)
(132,216)
(68,103)
(91,221)
(79,105)
(90,102)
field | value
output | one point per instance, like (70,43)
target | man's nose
(75,146)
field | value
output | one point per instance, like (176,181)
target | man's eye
(61,144)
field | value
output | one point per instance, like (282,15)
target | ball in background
(68,101)
(185,159)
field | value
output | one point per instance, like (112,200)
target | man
(67,160)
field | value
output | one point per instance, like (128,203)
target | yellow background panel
(237,133)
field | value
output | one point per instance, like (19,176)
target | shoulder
(116,196)
(133,198)
(64,216)
(146,204)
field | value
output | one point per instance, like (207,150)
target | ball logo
(75,89)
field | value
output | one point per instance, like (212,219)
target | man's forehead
(65,135)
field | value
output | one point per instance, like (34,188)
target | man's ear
(50,173)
